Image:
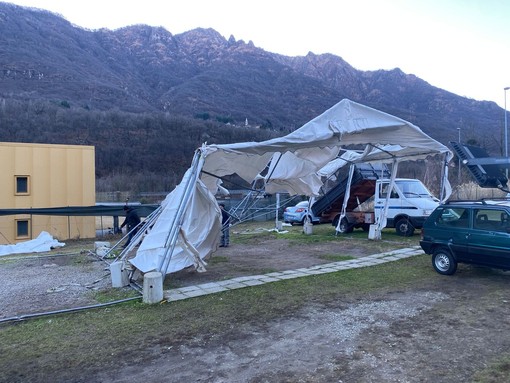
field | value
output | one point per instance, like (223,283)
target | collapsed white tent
(288,164)
(296,158)
(185,231)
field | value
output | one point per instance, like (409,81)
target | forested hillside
(146,99)
(134,151)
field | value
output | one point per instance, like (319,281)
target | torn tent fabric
(199,225)
(295,159)
(289,164)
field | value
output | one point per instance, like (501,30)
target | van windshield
(413,189)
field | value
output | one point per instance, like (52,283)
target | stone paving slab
(217,289)
(233,286)
(270,279)
(255,280)
(195,293)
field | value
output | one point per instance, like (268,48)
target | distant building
(42,176)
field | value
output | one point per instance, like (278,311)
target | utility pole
(458,129)
(506,132)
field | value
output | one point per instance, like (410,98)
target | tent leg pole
(198,162)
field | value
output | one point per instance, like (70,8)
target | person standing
(225,226)
(132,220)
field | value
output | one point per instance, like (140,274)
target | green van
(474,232)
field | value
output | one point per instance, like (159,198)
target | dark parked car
(474,232)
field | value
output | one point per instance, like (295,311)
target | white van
(410,203)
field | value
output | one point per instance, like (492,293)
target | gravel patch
(35,284)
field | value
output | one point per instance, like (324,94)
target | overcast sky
(462,46)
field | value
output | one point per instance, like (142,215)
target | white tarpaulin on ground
(44,242)
(288,164)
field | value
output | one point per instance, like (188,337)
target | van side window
(384,191)
(454,217)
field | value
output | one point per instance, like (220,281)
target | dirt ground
(261,258)
(65,278)
(443,331)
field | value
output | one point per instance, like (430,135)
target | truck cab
(409,204)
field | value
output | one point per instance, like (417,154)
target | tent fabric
(201,225)
(375,155)
(287,164)
(296,157)
(331,167)
(43,242)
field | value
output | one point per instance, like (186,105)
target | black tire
(308,218)
(335,221)
(404,227)
(366,227)
(444,262)
(345,227)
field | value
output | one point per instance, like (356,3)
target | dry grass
(471,191)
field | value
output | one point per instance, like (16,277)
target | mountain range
(200,77)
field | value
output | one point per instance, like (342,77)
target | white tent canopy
(297,157)
(288,164)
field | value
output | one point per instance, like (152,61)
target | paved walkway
(254,280)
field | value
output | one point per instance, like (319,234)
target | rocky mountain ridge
(51,67)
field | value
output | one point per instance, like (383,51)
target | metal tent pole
(171,240)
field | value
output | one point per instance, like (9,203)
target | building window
(22,185)
(22,228)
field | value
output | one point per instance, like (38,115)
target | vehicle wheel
(345,227)
(335,221)
(443,262)
(404,227)
(307,219)
(366,227)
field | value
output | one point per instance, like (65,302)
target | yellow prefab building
(45,176)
